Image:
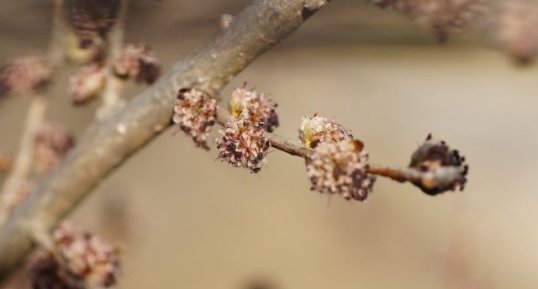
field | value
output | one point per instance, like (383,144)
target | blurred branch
(107,144)
(23,164)
(111,96)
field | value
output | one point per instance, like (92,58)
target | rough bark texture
(106,145)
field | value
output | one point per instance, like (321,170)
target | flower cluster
(255,106)
(243,144)
(340,168)
(139,63)
(52,143)
(443,16)
(78,260)
(433,156)
(24,75)
(195,114)
(88,82)
(516,31)
(316,129)
(91,20)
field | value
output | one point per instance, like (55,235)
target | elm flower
(52,142)
(316,129)
(195,114)
(435,157)
(243,144)
(139,63)
(256,106)
(87,83)
(24,75)
(340,168)
(78,260)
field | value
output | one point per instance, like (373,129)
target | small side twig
(111,96)
(23,165)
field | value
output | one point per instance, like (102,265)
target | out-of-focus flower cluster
(443,16)
(24,75)
(516,30)
(52,142)
(87,83)
(243,144)
(433,156)
(139,63)
(316,129)
(77,260)
(255,106)
(91,20)
(195,113)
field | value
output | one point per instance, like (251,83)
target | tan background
(193,222)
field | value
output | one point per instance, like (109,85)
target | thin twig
(111,96)
(442,177)
(22,168)
(107,144)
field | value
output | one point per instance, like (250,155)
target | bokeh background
(186,220)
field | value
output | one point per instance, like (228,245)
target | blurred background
(186,220)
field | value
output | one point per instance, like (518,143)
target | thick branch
(106,145)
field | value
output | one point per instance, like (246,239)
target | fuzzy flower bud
(243,144)
(435,157)
(139,63)
(340,168)
(79,260)
(256,106)
(316,129)
(24,75)
(87,83)
(195,114)
(52,143)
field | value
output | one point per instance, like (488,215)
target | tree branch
(24,161)
(106,145)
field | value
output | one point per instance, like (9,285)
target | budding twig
(441,177)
